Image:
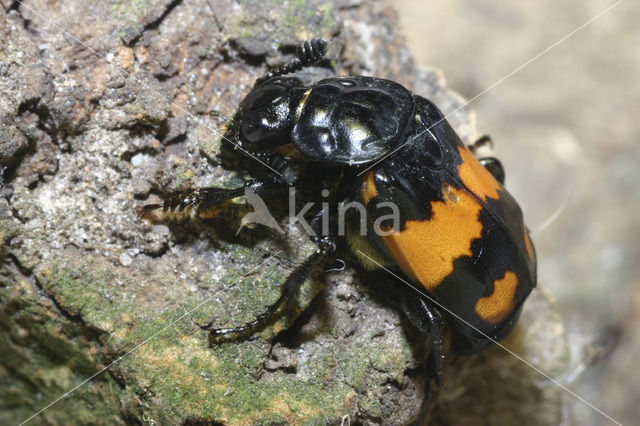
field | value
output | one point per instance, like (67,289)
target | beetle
(460,238)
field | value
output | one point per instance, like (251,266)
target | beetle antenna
(308,53)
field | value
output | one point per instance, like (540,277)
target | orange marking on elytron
(369,190)
(527,243)
(426,249)
(476,177)
(497,306)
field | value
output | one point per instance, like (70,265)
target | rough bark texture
(91,130)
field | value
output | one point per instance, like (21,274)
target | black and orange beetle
(460,236)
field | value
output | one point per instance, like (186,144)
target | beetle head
(267,115)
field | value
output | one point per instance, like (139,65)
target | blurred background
(565,127)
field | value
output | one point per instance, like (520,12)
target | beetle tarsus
(288,292)
(289,289)
(217,335)
(483,142)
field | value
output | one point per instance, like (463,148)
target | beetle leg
(181,204)
(483,146)
(289,290)
(429,321)
(483,149)
(494,166)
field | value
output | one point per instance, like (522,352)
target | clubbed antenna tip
(308,53)
(311,51)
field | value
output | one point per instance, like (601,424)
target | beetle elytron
(461,237)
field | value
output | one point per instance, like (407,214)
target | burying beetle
(460,237)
